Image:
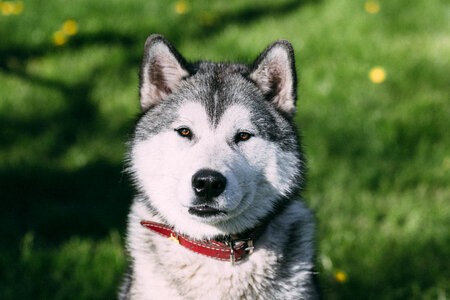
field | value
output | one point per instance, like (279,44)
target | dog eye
(242,137)
(184,132)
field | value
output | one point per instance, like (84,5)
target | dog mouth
(205,211)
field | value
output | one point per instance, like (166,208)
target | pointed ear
(162,70)
(274,73)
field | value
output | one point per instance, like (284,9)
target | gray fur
(261,97)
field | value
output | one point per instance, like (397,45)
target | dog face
(215,149)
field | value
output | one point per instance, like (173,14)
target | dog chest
(198,277)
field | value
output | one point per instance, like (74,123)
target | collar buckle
(250,246)
(230,242)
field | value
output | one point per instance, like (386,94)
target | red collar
(232,250)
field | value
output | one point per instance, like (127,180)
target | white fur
(255,171)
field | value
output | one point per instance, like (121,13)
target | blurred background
(373,109)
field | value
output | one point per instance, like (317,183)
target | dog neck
(231,248)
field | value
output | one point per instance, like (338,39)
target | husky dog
(217,165)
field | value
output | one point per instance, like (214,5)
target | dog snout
(208,184)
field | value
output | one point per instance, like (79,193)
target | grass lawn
(378,147)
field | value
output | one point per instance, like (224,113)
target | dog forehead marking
(193,114)
(235,117)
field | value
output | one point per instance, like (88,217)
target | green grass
(379,154)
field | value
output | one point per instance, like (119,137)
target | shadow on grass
(55,205)
(14,58)
(249,15)
(55,226)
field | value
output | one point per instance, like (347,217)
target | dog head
(215,149)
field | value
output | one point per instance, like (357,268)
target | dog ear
(162,70)
(274,73)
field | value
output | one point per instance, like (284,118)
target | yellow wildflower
(70,27)
(181,7)
(59,38)
(18,8)
(7,8)
(377,75)
(340,276)
(372,7)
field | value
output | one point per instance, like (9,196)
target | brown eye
(184,132)
(242,136)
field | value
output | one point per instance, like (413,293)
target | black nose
(208,183)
